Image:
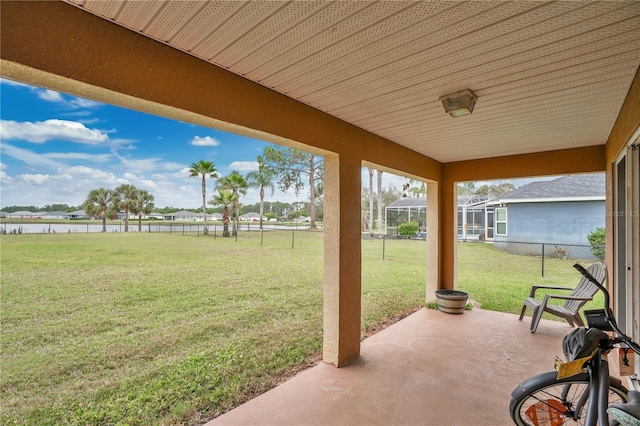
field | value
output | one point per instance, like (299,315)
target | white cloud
(50,95)
(101,177)
(130,176)
(182,173)
(149,164)
(84,103)
(43,131)
(205,141)
(13,83)
(5,178)
(73,103)
(148,184)
(3,166)
(62,178)
(37,179)
(96,158)
(244,166)
(29,157)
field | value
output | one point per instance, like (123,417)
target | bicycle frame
(595,375)
(598,365)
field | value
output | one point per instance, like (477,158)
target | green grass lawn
(500,281)
(145,328)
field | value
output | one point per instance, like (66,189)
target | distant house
(251,217)
(25,215)
(54,215)
(154,215)
(184,215)
(559,212)
(191,216)
(78,214)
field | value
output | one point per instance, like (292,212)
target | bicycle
(562,397)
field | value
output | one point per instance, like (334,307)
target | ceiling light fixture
(459,104)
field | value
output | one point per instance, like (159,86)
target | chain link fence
(545,260)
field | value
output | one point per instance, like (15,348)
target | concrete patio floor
(431,368)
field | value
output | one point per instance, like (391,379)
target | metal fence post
(542,260)
(383,240)
(293,237)
(261,236)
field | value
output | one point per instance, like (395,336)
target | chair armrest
(558,296)
(534,288)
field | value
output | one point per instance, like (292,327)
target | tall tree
(291,166)
(371,201)
(203,169)
(237,184)
(466,188)
(143,204)
(100,203)
(125,196)
(379,202)
(261,179)
(494,191)
(224,198)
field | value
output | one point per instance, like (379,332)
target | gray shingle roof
(573,186)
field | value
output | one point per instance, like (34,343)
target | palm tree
(204,168)
(238,186)
(125,196)
(261,179)
(224,198)
(100,203)
(143,204)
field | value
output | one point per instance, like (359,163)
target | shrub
(408,229)
(597,240)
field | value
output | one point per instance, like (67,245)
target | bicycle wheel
(544,400)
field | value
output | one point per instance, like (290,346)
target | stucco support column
(342,260)
(433,241)
(448,232)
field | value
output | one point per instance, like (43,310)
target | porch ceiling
(547,75)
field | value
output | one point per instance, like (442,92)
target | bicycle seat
(627,414)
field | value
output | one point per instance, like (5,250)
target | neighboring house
(559,212)
(186,215)
(54,215)
(154,215)
(25,215)
(252,217)
(78,214)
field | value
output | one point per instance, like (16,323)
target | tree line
(290,168)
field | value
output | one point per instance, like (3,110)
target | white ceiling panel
(547,74)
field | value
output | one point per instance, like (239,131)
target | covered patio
(557,86)
(430,368)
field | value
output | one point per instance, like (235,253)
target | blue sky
(55,148)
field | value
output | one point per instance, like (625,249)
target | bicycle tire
(547,390)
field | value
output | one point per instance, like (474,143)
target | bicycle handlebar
(607,309)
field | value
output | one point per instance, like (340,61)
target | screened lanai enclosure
(409,209)
(475,217)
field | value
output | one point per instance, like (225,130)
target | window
(501,221)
